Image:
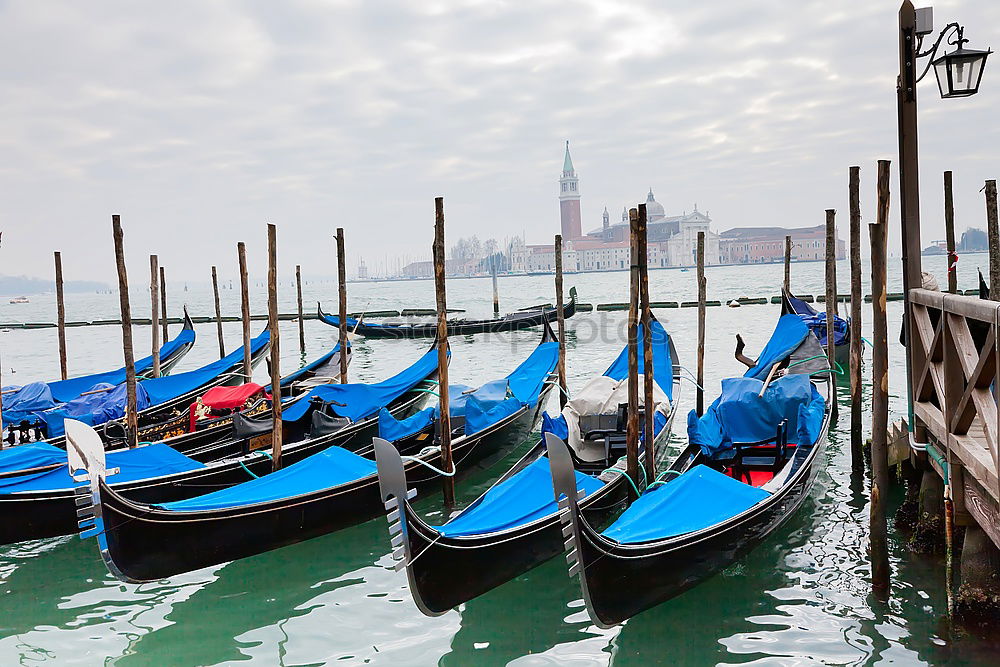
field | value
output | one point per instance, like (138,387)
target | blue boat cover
(311,366)
(817,324)
(163,389)
(94,409)
(663,369)
(34,455)
(394,430)
(134,464)
(67,390)
(363,400)
(788,335)
(352,323)
(495,400)
(740,414)
(21,403)
(525,497)
(699,498)
(331,467)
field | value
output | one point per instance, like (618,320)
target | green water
(802,597)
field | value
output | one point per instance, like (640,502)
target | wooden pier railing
(955,371)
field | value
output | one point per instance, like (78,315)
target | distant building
(761,245)
(569,200)
(363,270)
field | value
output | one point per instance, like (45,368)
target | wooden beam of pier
(241,252)
(632,425)
(154,318)
(560,321)
(878,547)
(131,418)
(342,299)
(61,318)
(218,313)
(854,193)
(442,345)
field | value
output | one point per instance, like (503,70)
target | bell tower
(569,200)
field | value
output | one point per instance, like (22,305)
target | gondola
(514,526)
(750,463)
(38,502)
(460,327)
(230,400)
(816,321)
(21,403)
(327,491)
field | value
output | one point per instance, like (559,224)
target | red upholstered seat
(227,398)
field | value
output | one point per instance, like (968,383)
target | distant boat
(20,299)
(685,270)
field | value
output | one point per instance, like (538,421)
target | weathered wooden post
(272,323)
(163,304)
(994,236)
(496,290)
(154,320)
(298,294)
(702,284)
(342,297)
(949,233)
(647,348)
(241,251)
(131,418)
(560,323)
(854,188)
(831,302)
(442,346)
(61,319)
(879,550)
(787,285)
(218,313)
(632,425)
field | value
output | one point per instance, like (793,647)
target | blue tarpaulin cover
(663,369)
(24,401)
(816,321)
(699,498)
(495,400)
(139,463)
(739,414)
(521,499)
(34,455)
(67,390)
(788,335)
(163,389)
(363,400)
(94,409)
(393,430)
(331,467)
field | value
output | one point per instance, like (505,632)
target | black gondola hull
(144,544)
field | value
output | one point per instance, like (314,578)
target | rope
(870,344)
(665,472)
(424,452)
(691,377)
(556,384)
(250,472)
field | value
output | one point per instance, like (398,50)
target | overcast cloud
(199,121)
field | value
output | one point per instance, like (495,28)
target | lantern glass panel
(959,73)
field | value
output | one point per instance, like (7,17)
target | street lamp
(958,74)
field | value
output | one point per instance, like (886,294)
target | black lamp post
(958,74)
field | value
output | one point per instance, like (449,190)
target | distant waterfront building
(761,245)
(363,270)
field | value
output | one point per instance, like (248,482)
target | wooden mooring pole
(560,322)
(647,349)
(949,233)
(272,323)
(218,313)
(787,285)
(61,317)
(702,298)
(154,293)
(994,236)
(131,418)
(298,295)
(342,299)
(241,251)
(632,424)
(831,302)
(163,304)
(442,347)
(878,548)
(857,438)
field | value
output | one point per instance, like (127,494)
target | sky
(198,122)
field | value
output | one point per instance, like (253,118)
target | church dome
(654,209)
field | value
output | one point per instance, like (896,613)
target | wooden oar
(770,374)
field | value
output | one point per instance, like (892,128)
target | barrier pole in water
(342,298)
(560,322)
(702,284)
(788,264)
(61,316)
(154,320)
(831,302)
(131,419)
(647,347)
(218,313)
(241,252)
(442,348)
(854,189)
(949,233)
(632,426)
(298,294)
(163,304)
(878,548)
(272,323)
